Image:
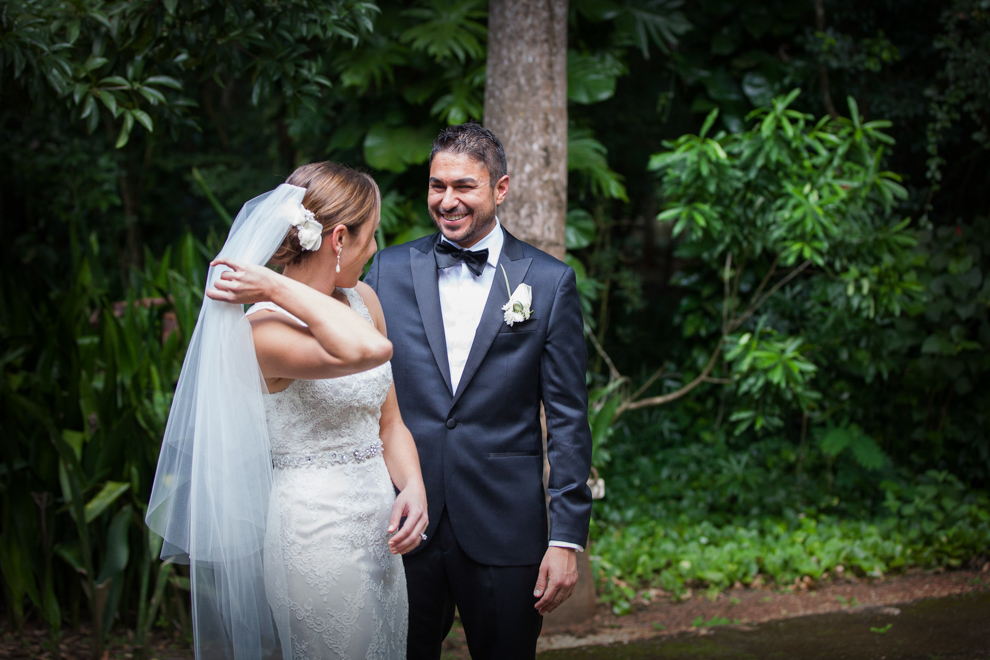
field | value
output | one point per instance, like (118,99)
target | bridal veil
(212,488)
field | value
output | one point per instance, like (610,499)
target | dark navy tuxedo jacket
(481,447)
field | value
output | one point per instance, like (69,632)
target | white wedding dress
(344,593)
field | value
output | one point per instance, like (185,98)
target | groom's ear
(501,189)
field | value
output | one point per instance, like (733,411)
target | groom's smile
(461,200)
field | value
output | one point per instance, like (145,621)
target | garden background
(777,210)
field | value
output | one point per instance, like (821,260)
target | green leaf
(709,121)
(108,495)
(166,81)
(758,88)
(116,80)
(835,440)
(153,95)
(592,78)
(395,149)
(580,229)
(117,549)
(588,156)
(74,439)
(449,29)
(603,420)
(109,100)
(143,119)
(867,452)
(125,130)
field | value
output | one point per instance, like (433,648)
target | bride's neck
(309,273)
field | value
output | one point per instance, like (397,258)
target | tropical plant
(794,229)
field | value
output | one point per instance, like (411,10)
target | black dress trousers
(496,603)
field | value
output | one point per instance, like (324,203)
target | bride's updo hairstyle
(336,195)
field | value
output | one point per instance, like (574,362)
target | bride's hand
(410,503)
(243,283)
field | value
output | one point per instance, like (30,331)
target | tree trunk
(526,107)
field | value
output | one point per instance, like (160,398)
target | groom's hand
(558,574)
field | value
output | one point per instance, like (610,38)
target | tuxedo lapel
(516,267)
(424,273)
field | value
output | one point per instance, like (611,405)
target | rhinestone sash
(326,459)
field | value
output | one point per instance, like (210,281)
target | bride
(284,447)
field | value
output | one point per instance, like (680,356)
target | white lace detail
(344,591)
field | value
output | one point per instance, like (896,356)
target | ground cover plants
(710,515)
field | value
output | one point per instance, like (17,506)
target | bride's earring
(338,259)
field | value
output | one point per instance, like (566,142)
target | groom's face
(462,200)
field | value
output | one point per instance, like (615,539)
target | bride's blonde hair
(336,195)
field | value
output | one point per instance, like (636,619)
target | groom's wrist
(565,544)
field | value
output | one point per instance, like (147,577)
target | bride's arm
(401,457)
(402,461)
(336,341)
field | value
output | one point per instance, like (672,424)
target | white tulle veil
(211,493)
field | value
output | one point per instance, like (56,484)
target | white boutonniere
(517,309)
(308,229)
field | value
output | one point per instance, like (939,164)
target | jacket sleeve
(565,400)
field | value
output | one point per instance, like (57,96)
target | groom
(470,385)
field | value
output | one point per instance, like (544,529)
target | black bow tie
(448,256)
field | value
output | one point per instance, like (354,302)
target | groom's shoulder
(400,252)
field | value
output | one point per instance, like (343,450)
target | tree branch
(667,398)
(647,384)
(766,280)
(749,312)
(822,70)
(612,371)
(725,295)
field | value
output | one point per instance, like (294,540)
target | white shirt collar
(492,242)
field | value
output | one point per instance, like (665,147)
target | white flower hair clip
(310,231)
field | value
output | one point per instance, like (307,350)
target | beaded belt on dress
(326,459)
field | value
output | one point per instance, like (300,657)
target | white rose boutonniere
(310,231)
(517,309)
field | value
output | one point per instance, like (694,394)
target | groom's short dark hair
(476,141)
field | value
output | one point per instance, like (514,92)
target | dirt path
(747,606)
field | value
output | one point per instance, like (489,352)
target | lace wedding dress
(343,592)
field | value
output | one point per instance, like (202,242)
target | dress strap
(272,307)
(357,304)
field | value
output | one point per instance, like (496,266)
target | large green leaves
(587,156)
(396,148)
(591,78)
(448,29)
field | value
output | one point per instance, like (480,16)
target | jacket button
(451,423)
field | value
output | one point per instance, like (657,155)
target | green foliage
(85,406)
(141,61)
(864,448)
(789,214)
(963,88)
(937,522)
(448,29)
(699,622)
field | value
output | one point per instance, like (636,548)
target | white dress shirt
(462,302)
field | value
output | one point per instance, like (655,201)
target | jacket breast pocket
(530,325)
(514,454)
